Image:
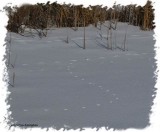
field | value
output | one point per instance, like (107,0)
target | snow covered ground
(64,86)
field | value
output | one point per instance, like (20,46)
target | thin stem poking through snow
(67,36)
(13,80)
(13,65)
(9,49)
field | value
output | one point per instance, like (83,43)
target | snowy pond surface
(61,85)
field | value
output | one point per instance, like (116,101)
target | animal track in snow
(73,60)
(117,98)
(101,57)
(87,59)
(25,64)
(41,69)
(111,61)
(135,54)
(115,56)
(57,62)
(98,104)
(83,107)
(41,63)
(45,110)
(144,53)
(135,35)
(107,90)
(100,87)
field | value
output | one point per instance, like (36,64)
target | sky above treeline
(86,3)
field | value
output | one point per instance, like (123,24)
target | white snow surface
(59,84)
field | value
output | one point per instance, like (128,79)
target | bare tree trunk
(111,38)
(108,35)
(61,15)
(146,18)
(115,39)
(75,18)
(125,37)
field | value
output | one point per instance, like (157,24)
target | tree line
(46,15)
